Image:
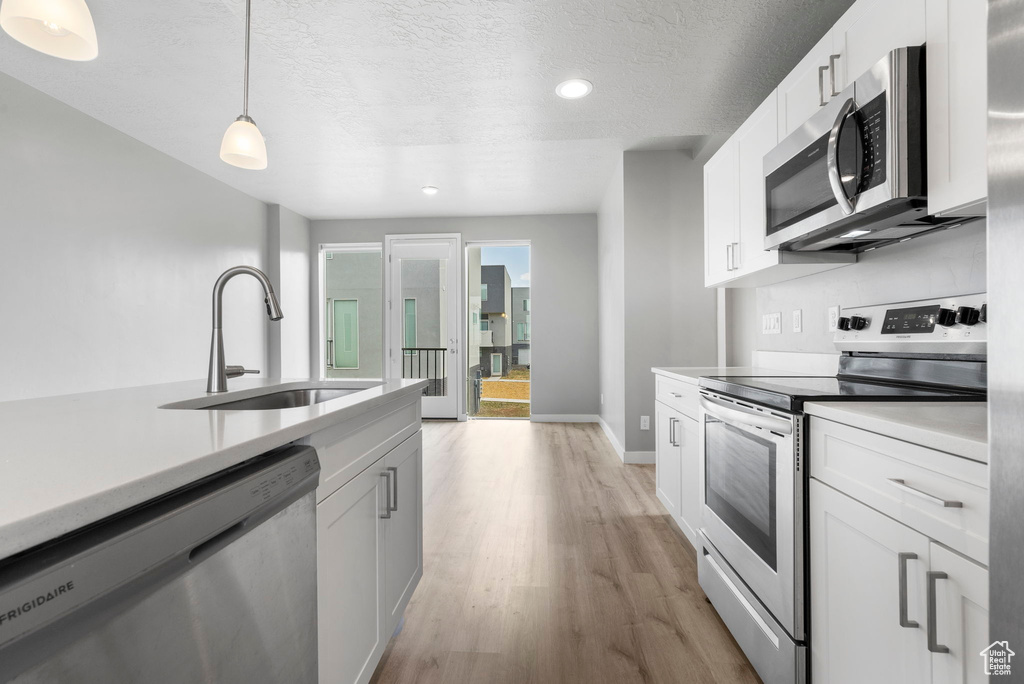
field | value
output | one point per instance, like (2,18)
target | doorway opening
(499,336)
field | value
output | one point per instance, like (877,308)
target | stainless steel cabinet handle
(933,641)
(728,257)
(904,622)
(676,395)
(904,487)
(832,74)
(821,86)
(735,248)
(672,431)
(387,486)
(394,483)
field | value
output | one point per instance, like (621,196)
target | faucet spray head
(273,308)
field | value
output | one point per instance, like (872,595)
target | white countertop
(959,428)
(71,460)
(690,375)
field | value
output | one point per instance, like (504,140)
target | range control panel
(950,325)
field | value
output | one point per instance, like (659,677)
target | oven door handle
(732,414)
(832,158)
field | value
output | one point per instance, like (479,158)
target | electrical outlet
(645,422)
(771,323)
(833,318)
(798,321)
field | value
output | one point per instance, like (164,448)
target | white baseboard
(564,418)
(638,457)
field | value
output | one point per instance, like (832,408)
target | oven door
(752,501)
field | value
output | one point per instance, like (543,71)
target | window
(526,305)
(410,323)
(344,343)
(485,325)
(483,292)
(520,332)
(495,364)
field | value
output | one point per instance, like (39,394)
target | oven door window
(740,486)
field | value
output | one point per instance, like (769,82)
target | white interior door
(423,334)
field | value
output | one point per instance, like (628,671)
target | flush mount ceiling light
(243,145)
(59,28)
(574,88)
(429,190)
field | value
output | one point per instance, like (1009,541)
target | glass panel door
(423,320)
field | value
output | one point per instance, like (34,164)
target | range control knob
(946,317)
(967,315)
(858,322)
(843,323)
(984,313)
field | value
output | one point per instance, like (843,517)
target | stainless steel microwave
(853,176)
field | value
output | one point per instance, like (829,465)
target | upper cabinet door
(754,139)
(957,107)
(871,29)
(805,89)
(721,213)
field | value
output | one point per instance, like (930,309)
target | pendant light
(59,28)
(243,144)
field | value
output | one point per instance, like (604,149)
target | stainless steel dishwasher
(213,583)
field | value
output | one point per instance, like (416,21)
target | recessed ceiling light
(429,190)
(574,88)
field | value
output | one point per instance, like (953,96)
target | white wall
(288,269)
(946,263)
(109,254)
(564,285)
(611,245)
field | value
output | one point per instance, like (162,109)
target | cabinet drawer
(906,482)
(346,449)
(679,395)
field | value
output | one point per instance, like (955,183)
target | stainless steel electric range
(752,555)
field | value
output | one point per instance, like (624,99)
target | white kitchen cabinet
(869,30)
(721,213)
(688,516)
(957,107)
(856,635)
(403,531)
(961,618)
(350,579)
(734,212)
(667,458)
(805,89)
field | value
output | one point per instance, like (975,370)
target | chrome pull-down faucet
(217,381)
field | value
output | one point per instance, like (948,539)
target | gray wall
(563,264)
(110,252)
(288,269)
(358,275)
(945,263)
(657,311)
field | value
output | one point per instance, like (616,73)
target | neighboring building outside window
(483,291)
(526,305)
(345,339)
(485,325)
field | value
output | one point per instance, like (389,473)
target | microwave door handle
(736,415)
(832,158)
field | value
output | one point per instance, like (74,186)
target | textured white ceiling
(365,101)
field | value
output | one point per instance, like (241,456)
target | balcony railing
(427,363)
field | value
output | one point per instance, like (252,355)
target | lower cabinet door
(868,594)
(666,457)
(961,620)
(403,531)
(688,438)
(350,578)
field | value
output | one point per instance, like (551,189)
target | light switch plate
(645,422)
(798,320)
(833,318)
(771,323)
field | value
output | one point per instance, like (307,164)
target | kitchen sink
(282,397)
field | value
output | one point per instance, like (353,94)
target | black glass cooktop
(790,392)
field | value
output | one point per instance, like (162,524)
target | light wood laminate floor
(546,560)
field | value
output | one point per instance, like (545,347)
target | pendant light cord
(245,89)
